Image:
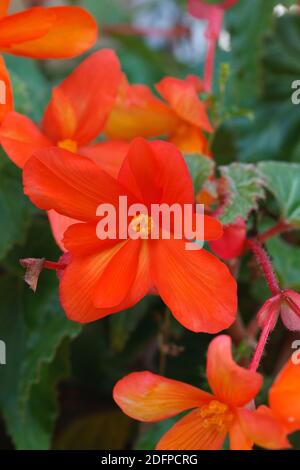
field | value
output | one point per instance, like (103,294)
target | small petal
(263,428)
(67,32)
(284,395)
(59,224)
(190,433)
(196,286)
(108,155)
(238,439)
(27,25)
(150,397)
(138,112)
(232,244)
(85,98)
(290,310)
(79,281)
(20,138)
(230,383)
(70,184)
(117,278)
(183,98)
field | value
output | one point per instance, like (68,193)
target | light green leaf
(244,188)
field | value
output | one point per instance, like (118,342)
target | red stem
(280,227)
(268,327)
(131,30)
(209,64)
(54,266)
(266,265)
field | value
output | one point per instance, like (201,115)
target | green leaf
(275,130)
(283,181)
(247,23)
(244,188)
(32,331)
(122,325)
(153,433)
(31,89)
(200,168)
(286,261)
(14,208)
(108,429)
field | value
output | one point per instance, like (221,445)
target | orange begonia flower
(182,119)
(108,276)
(42,33)
(182,96)
(284,396)
(74,117)
(149,397)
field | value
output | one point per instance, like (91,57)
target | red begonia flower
(41,33)
(107,276)
(149,397)
(232,243)
(74,117)
(284,396)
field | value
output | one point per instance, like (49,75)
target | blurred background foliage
(56,387)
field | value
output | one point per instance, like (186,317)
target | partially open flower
(285,304)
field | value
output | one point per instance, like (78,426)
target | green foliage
(14,209)
(244,189)
(286,260)
(200,168)
(283,181)
(32,332)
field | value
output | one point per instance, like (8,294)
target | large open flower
(43,33)
(110,275)
(73,119)
(149,397)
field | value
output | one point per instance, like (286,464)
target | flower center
(68,144)
(142,224)
(216,415)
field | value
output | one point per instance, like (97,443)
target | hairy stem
(259,350)
(265,263)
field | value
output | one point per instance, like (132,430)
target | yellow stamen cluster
(68,144)
(142,224)
(216,415)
